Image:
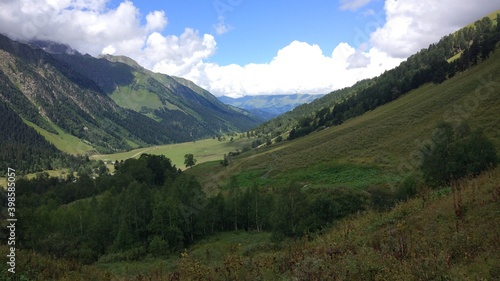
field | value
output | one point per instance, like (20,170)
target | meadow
(203,150)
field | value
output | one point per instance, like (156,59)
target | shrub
(407,189)
(457,154)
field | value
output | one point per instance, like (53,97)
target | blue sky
(248,47)
(257,28)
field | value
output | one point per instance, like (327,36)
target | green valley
(394,178)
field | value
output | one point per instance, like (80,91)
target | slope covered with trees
(454,53)
(187,111)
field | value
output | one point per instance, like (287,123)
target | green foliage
(457,154)
(408,188)
(189,160)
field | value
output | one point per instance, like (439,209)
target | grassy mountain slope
(184,108)
(453,54)
(44,90)
(386,140)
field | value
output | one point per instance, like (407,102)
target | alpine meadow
(113,170)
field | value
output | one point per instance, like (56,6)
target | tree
(288,216)
(189,160)
(458,154)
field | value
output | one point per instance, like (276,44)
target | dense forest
(26,150)
(149,207)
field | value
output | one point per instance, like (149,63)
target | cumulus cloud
(156,21)
(297,67)
(91,27)
(178,55)
(413,25)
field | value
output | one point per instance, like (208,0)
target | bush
(457,154)
(381,198)
(407,189)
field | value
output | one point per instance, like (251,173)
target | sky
(248,47)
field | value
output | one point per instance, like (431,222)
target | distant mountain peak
(121,59)
(269,106)
(52,47)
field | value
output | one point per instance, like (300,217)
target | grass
(135,100)
(52,173)
(211,252)
(203,150)
(388,138)
(63,141)
(321,175)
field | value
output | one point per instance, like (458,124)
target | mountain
(52,95)
(454,53)
(269,106)
(186,110)
(81,103)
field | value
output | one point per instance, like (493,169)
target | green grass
(388,138)
(454,58)
(135,100)
(203,150)
(321,175)
(62,140)
(52,173)
(211,251)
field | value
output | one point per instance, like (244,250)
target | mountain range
(269,106)
(104,104)
(110,103)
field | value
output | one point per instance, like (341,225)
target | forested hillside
(107,104)
(184,109)
(70,101)
(21,144)
(454,53)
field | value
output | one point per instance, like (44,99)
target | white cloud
(413,25)
(109,50)
(178,55)
(91,27)
(221,27)
(298,67)
(156,21)
(353,5)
